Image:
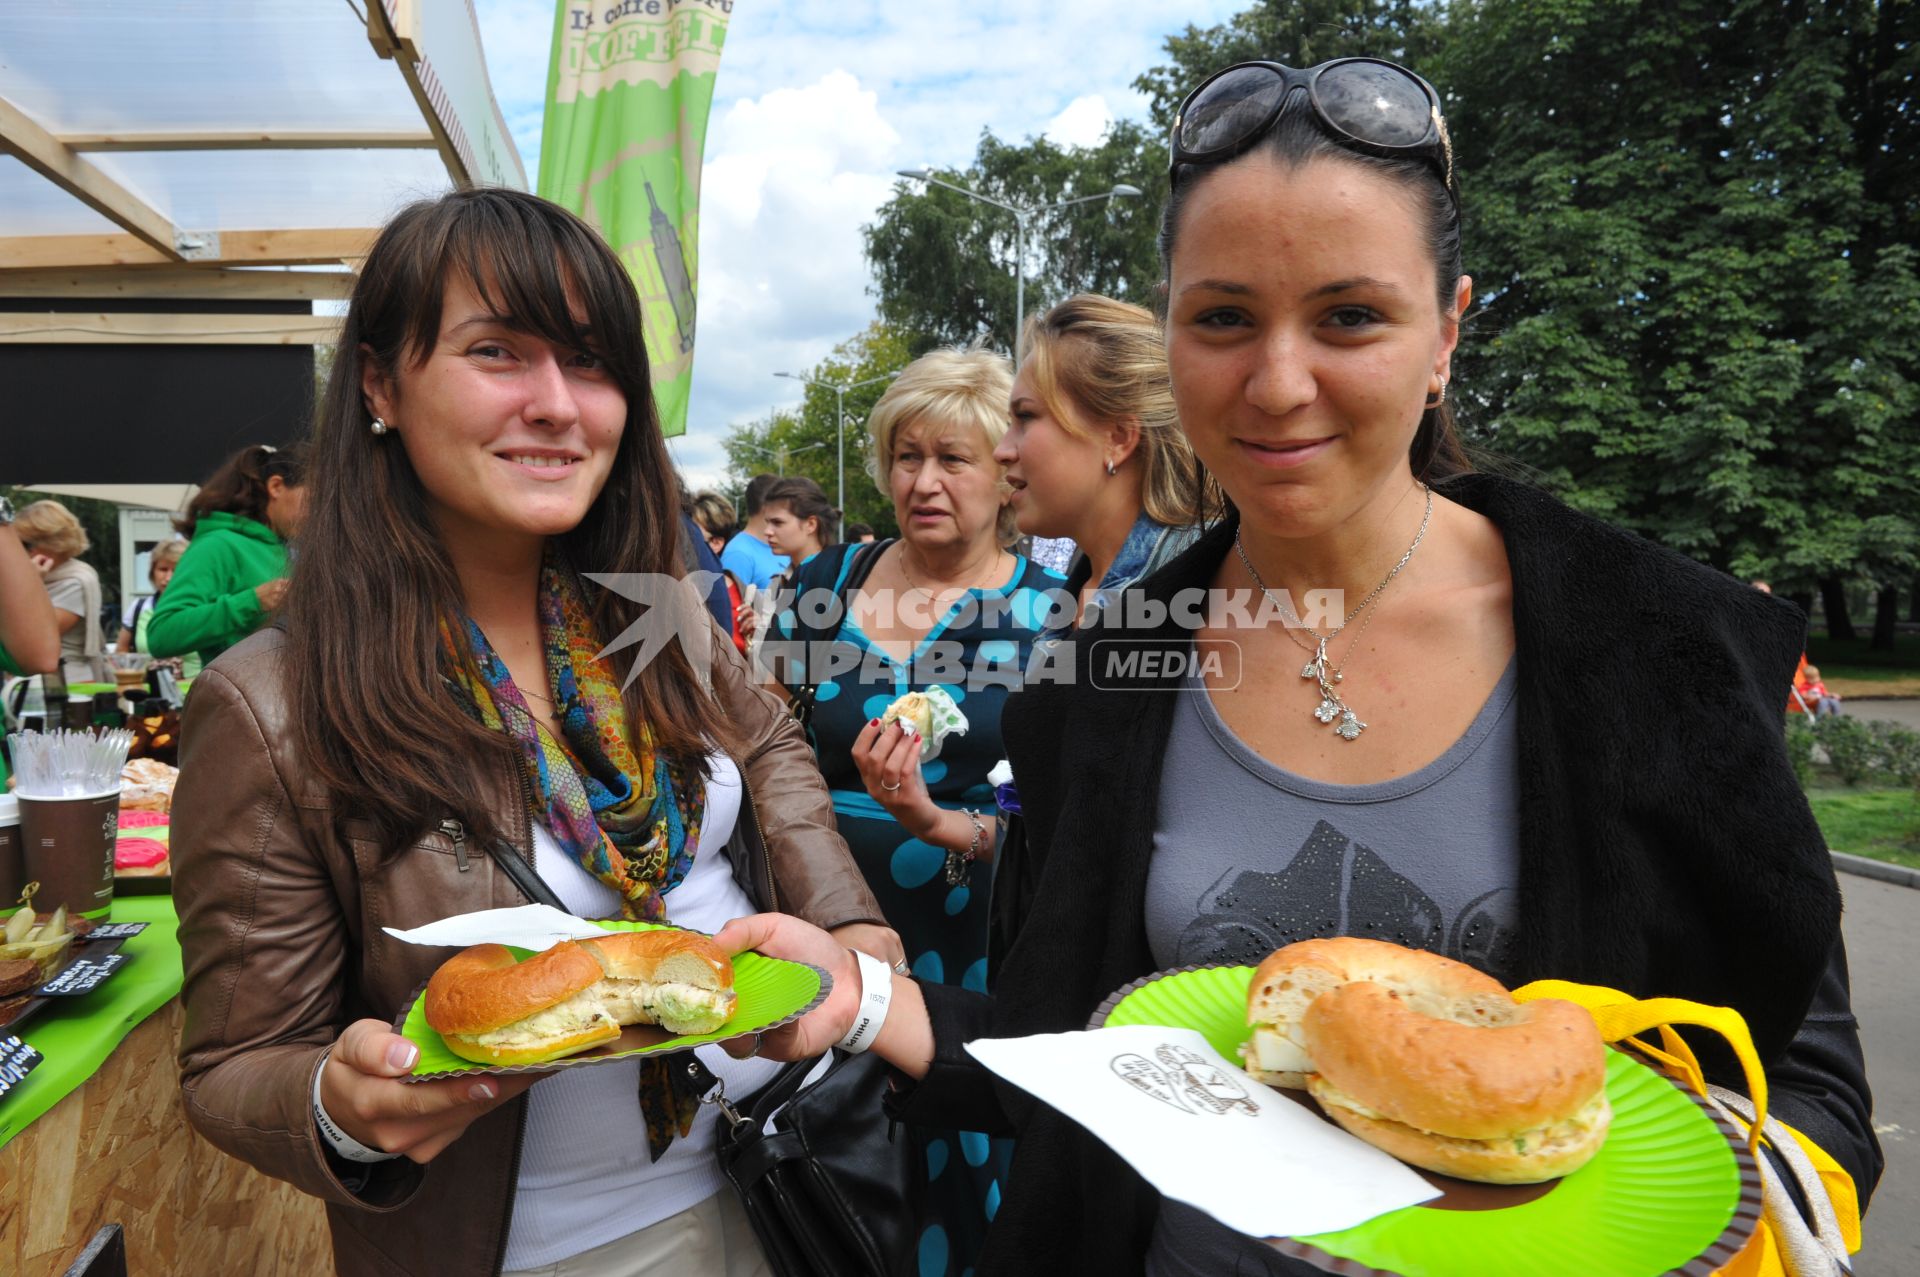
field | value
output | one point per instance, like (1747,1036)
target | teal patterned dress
(977,652)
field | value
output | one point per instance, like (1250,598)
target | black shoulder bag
(835,1190)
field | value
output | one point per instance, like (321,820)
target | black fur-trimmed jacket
(1666,849)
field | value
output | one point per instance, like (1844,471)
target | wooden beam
(41,151)
(185,283)
(318,247)
(392,37)
(240,140)
(72,328)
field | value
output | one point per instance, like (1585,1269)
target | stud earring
(379,427)
(1112,470)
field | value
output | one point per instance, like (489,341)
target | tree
(1300,33)
(1692,228)
(1699,311)
(805,440)
(943,263)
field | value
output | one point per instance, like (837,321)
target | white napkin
(1203,1132)
(525,927)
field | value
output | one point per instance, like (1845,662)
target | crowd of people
(1452,768)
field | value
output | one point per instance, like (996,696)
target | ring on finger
(889,788)
(902,967)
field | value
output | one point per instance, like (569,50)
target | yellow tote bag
(1784,1245)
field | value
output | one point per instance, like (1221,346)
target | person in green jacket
(234,573)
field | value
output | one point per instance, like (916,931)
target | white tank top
(585,1178)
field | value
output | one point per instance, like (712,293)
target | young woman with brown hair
(435,695)
(800,520)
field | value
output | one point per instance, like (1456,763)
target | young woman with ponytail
(234,574)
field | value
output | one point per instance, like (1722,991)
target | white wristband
(341,1142)
(876,993)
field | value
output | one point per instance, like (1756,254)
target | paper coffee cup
(68,849)
(13,874)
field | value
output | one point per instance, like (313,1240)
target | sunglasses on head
(1373,106)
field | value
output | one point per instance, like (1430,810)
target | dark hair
(757,492)
(857,530)
(239,486)
(1297,137)
(377,726)
(807,500)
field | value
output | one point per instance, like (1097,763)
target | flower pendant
(1350,726)
(1327,712)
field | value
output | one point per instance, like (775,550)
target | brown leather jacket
(280,926)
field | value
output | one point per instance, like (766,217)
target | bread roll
(577,995)
(1287,983)
(679,980)
(493,1010)
(1431,1060)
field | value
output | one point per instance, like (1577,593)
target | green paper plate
(1673,1189)
(772,992)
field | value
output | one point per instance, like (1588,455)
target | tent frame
(151,257)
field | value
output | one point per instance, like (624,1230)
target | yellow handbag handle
(1622,1017)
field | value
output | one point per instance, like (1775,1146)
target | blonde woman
(133,624)
(48,529)
(945,605)
(1094,452)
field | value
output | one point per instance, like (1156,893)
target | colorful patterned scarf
(624,810)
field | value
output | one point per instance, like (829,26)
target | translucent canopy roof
(204,132)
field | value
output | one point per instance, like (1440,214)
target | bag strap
(861,566)
(531,885)
(858,570)
(1622,1017)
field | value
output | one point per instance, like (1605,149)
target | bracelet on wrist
(876,995)
(336,1138)
(960,863)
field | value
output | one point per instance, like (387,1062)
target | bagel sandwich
(577,995)
(913,709)
(1431,1060)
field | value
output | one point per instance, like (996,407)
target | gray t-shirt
(1248,857)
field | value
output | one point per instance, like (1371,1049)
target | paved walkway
(1905,711)
(1883,947)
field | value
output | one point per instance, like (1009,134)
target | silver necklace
(1319,667)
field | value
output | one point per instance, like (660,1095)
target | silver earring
(379,427)
(1112,470)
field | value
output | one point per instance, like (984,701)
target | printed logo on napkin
(1186,1081)
(82,976)
(1192,1124)
(17,1059)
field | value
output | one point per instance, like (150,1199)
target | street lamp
(779,455)
(1020,217)
(840,422)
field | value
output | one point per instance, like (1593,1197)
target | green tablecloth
(112,689)
(76,1035)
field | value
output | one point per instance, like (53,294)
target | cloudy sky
(819,102)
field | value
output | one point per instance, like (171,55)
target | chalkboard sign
(116,931)
(17,1059)
(82,976)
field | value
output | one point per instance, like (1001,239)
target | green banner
(627,96)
